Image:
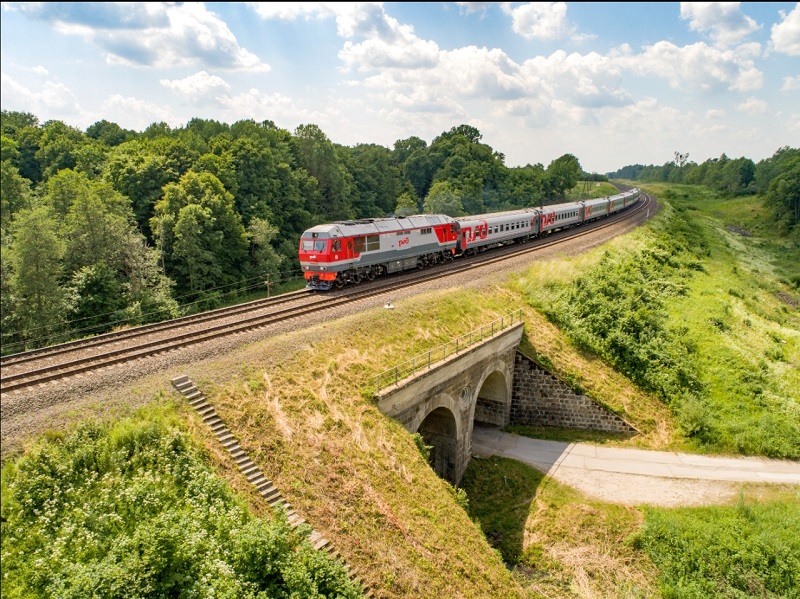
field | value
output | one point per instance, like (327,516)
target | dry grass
(583,546)
(354,474)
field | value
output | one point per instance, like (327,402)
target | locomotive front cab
(318,253)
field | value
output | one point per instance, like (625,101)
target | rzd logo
(403,242)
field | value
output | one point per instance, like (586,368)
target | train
(348,252)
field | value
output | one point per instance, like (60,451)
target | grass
(561,544)
(557,542)
(697,315)
(750,549)
(299,404)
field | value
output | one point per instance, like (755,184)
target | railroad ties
(252,472)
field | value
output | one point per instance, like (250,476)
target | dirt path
(634,476)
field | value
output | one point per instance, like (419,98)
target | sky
(614,84)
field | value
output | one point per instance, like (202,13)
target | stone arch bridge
(443,401)
(485,381)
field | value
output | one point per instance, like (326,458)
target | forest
(108,228)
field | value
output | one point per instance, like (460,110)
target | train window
(319,245)
(373,243)
(337,245)
(453,229)
(425,231)
(359,244)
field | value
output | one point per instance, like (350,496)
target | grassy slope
(297,404)
(359,479)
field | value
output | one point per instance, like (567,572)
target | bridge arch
(493,396)
(439,432)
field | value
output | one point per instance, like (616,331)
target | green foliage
(133,511)
(748,550)
(424,450)
(562,175)
(443,199)
(656,313)
(36,269)
(617,311)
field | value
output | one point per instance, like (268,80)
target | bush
(134,511)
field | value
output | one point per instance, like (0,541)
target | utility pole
(268,285)
(680,159)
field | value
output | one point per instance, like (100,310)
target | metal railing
(422,362)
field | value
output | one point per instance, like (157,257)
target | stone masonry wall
(539,399)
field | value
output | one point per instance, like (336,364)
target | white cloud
(51,98)
(149,34)
(790,83)
(715,113)
(132,113)
(697,66)
(753,107)
(725,23)
(405,50)
(290,11)
(198,84)
(276,107)
(367,19)
(541,20)
(786,34)
(472,7)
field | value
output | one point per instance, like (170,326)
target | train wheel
(371,275)
(338,283)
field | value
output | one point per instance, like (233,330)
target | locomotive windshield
(311,245)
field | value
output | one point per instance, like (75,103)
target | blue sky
(612,83)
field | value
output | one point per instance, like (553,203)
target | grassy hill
(688,327)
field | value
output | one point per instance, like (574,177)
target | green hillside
(688,327)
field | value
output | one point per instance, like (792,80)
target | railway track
(43,366)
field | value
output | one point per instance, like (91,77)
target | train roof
(507,213)
(373,226)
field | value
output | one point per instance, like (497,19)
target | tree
(784,192)
(377,179)
(35,258)
(199,234)
(403,148)
(58,147)
(562,175)
(256,180)
(95,227)
(318,156)
(138,172)
(93,299)
(110,134)
(264,260)
(470,133)
(12,122)
(406,205)
(147,291)
(443,199)
(14,194)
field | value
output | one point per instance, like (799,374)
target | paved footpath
(635,476)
